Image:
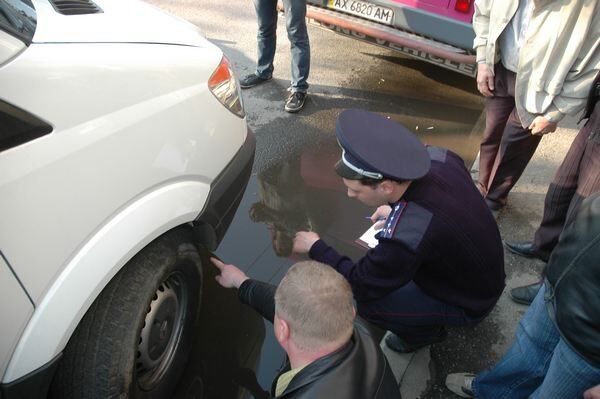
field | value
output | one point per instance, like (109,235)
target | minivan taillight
(224,86)
(463,5)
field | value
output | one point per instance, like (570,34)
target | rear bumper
(439,27)
(420,40)
(399,37)
(225,195)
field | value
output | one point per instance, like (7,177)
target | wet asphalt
(293,185)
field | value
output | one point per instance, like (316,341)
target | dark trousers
(412,314)
(576,179)
(506,147)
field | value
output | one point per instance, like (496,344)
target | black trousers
(412,314)
(576,179)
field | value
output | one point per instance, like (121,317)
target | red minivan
(436,31)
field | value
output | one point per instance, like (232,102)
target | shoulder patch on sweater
(407,224)
(437,153)
(392,220)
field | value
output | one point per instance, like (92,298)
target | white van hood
(121,21)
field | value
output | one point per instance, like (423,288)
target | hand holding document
(368,240)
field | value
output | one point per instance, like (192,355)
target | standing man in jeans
(536,62)
(556,351)
(295,12)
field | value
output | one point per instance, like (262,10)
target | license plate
(363,9)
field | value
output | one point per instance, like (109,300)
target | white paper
(368,236)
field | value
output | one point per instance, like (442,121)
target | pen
(379,219)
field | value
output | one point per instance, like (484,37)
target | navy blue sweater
(445,240)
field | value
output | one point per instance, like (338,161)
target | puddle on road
(235,349)
(236,353)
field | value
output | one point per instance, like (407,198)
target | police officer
(439,260)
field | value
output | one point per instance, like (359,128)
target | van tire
(135,339)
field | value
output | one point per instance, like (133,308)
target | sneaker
(461,384)
(252,80)
(295,102)
(397,344)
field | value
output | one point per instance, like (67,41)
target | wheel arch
(96,262)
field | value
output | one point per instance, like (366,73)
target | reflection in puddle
(236,354)
(283,206)
(304,193)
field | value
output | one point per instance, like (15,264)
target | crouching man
(330,353)
(439,261)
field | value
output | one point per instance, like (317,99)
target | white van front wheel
(135,339)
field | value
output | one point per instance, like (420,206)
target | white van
(123,148)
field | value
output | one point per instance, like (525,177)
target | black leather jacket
(573,282)
(358,370)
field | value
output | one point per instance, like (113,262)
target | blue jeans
(295,14)
(539,364)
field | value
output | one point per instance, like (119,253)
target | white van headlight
(223,85)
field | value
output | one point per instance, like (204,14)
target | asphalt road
(440,106)
(292,179)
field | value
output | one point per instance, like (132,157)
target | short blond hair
(316,302)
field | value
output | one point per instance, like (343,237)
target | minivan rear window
(18,18)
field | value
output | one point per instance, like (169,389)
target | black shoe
(295,102)
(399,345)
(252,80)
(526,249)
(493,205)
(525,294)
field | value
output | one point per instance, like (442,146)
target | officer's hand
(485,79)
(231,276)
(380,215)
(304,240)
(541,126)
(592,393)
